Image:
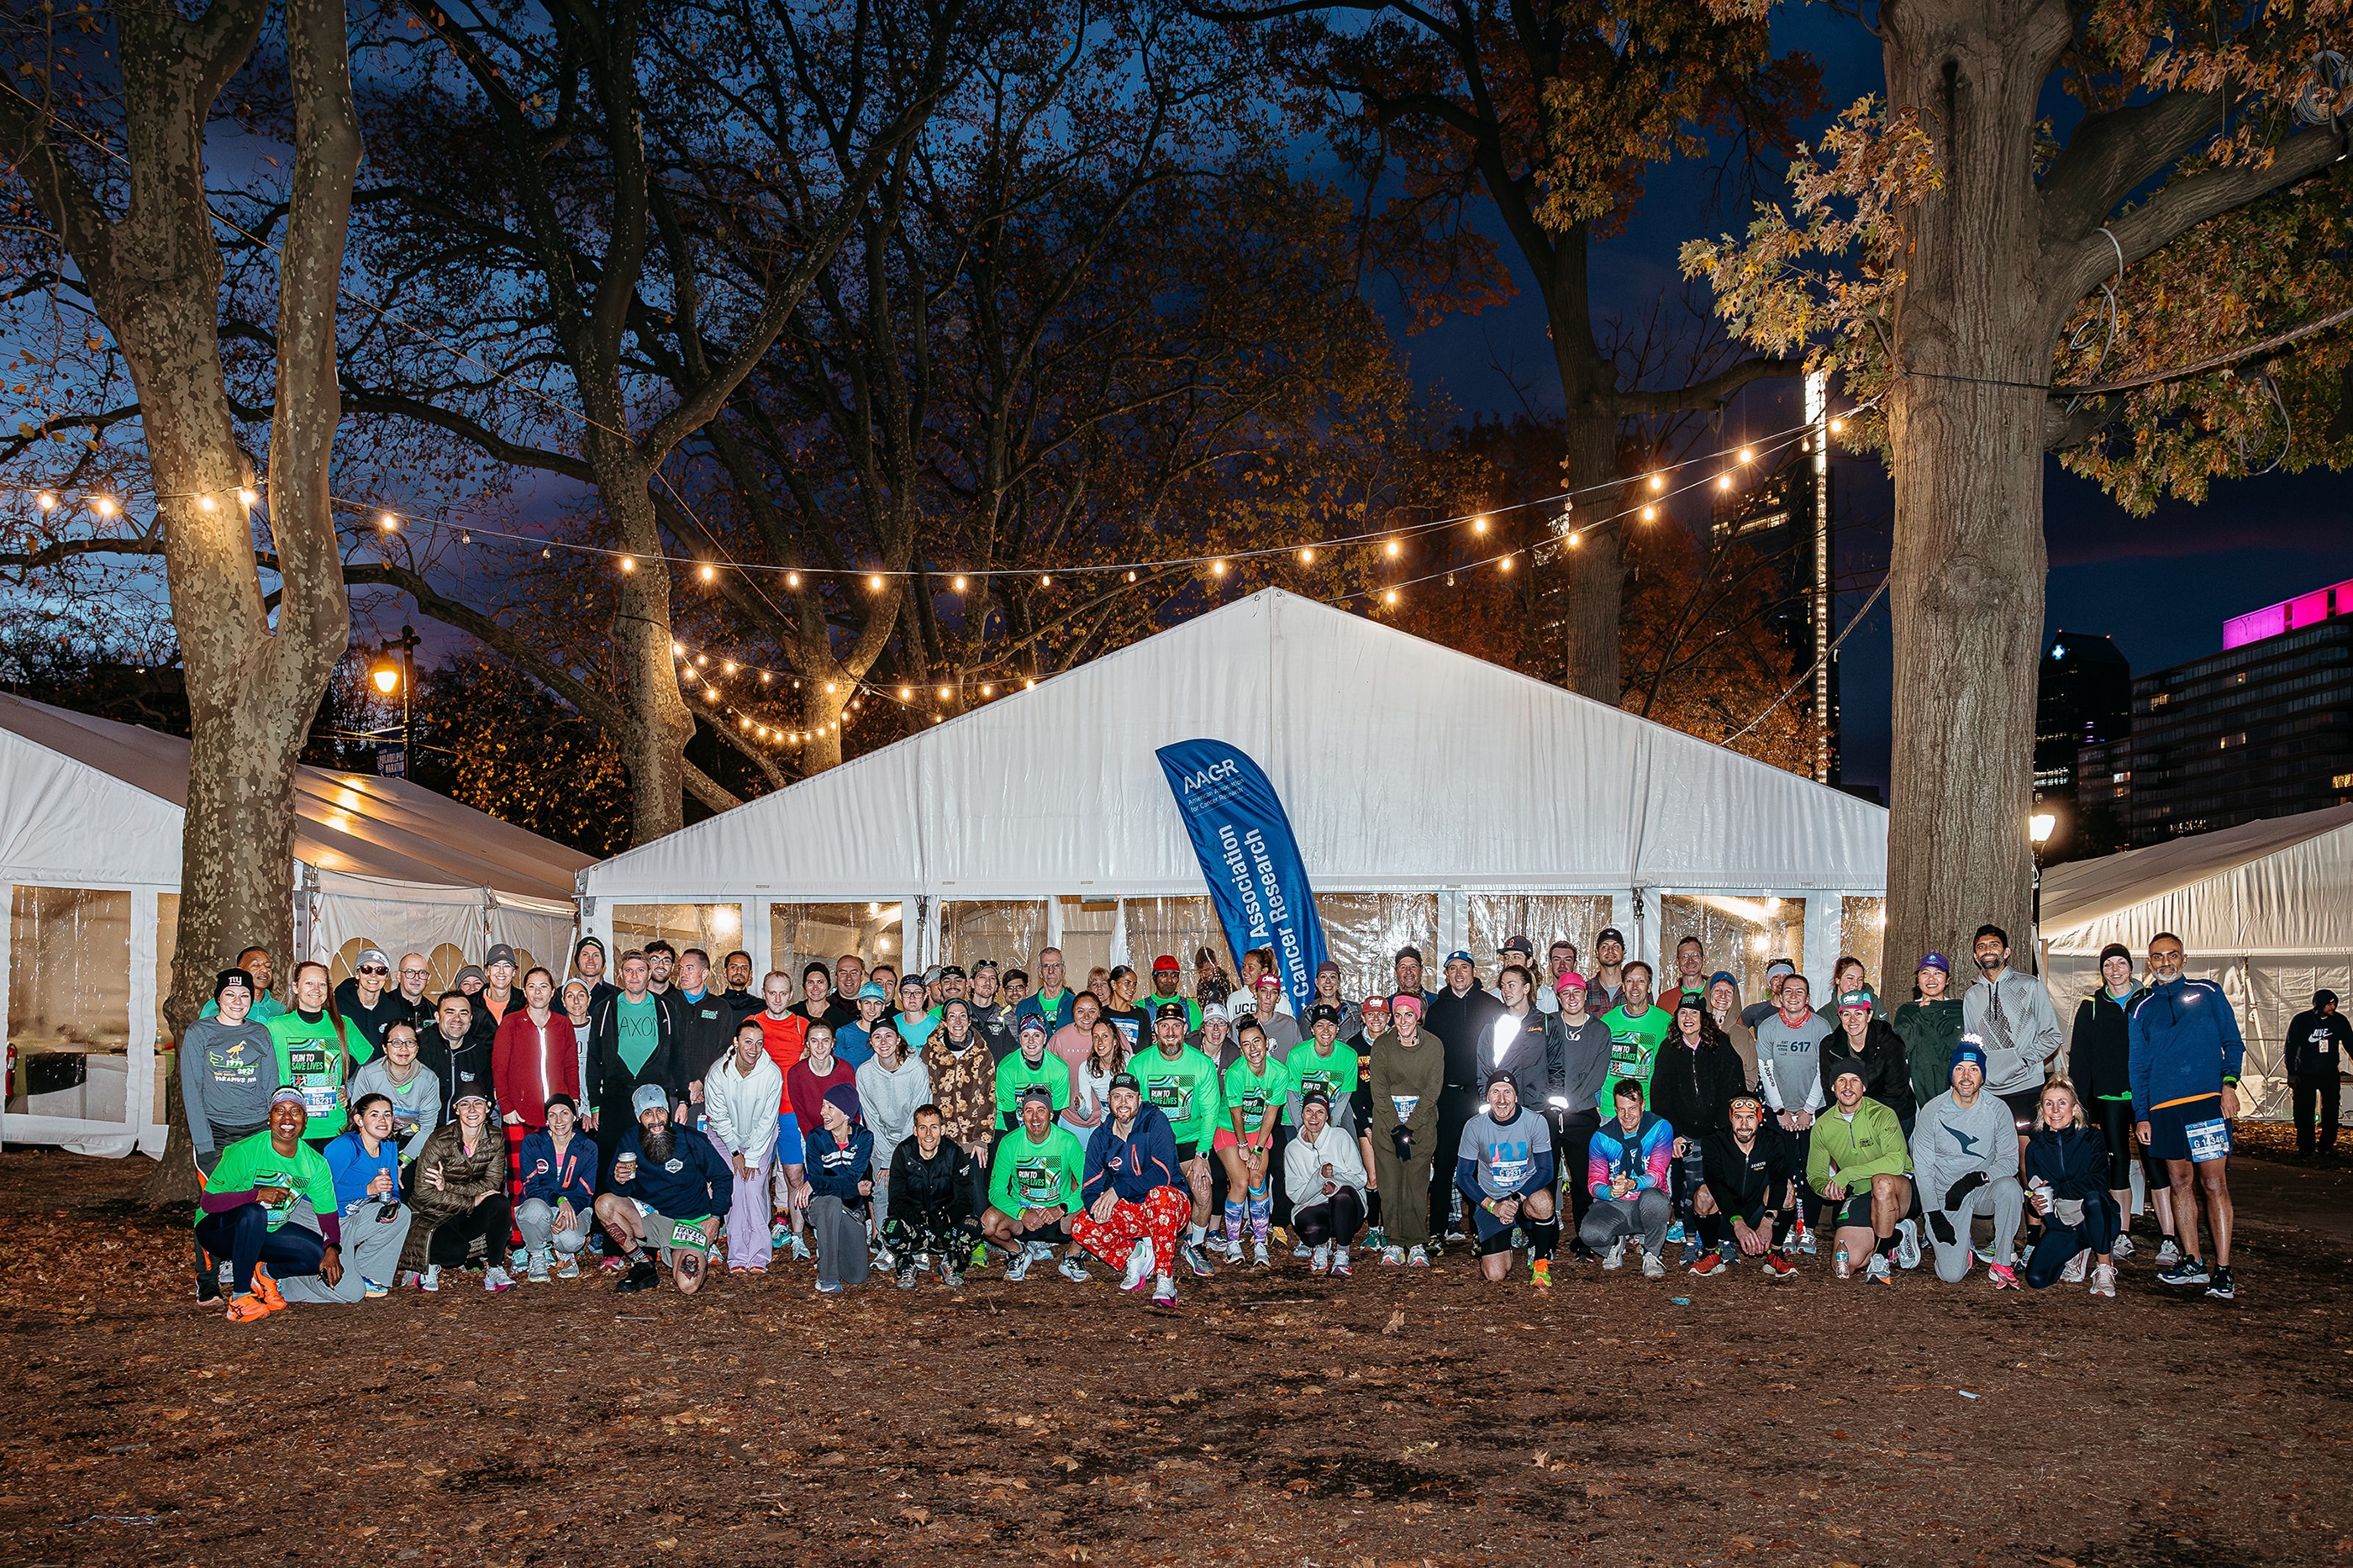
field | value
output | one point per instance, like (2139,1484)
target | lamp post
(2038,832)
(403,676)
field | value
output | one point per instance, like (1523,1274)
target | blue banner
(1250,859)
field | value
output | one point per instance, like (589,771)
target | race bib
(1405,1104)
(683,1234)
(2209,1140)
(1509,1173)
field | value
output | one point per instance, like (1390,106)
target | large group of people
(662,1119)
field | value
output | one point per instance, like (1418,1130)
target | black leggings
(453,1239)
(1337,1221)
(2117,1126)
(1715,1229)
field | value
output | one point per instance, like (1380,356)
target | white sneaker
(2123,1248)
(536,1272)
(2103,1280)
(1878,1269)
(1416,1257)
(1653,1267)
(1303,1250)
(1258,1254)
(1163,1291)
(1616,1257)
(496,1278)
(1073,1270)
(1321,1263)
(1907,1244)
(1233,1253)
(1393,1256)
(1340,1262)
(2073,1274)
(2169,1253)
(1139,1265)
(430,1280)
(1016,1268)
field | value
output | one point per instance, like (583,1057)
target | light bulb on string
(1649,514)
(1390,597)
(1724,481)
(1308,556)
(247,498)
(728,667)
(1747,456)
(875,582)
(765,678)
(944,694)
(906,692)
(1576,538)
(46,500)
(1216,568)
(988,691)
(1504,564)
(709,572)
(1658,481)
(204,503)
(1478,525)
(1027,684)
(628,562)
(1045,581)
(959,585)
(678,650)
(792,579)
(702,661)
(388,523)
(1394,547)
(1837,425)
(709,694)
(1131,576)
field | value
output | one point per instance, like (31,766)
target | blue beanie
(1971,1049)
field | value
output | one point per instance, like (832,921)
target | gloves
(1402,1141)
(1940,1226)
(1958,1192)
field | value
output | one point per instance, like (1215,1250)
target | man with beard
(667,1190)
(964,1088)
(1606,987)
(931,1215)
(1167,983)
(452,1051)
(992,1014)
(739,998)
(1745,1192)
(2011,1014)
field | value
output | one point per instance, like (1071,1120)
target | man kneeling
(1323,1172)
(666,1189)
(1504,1169)
(1033,1189)
(1746,1188)
(1859,1161)
(250,1198)
(1137,1197)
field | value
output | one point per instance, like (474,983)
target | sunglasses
(374,969)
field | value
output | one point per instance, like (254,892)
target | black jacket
(1886,1071)
(1693,1089)
(2306,1035)
(943,1183)
(706,1030)
(467,1066)
(615,1081)
(2074,1160)
(1746,1180)
(2099,1050)
(1579,1062)
(1461,1023)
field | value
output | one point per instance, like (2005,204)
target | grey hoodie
(416,1105)
(227,1073)
(1950,1141)
(2012,1014)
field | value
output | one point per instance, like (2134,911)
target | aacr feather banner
(1250,859)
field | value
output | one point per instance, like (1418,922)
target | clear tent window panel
(1541,918)
(1087,928)
(1862,934)
(1180,928)
(717,929)
(1363,932)
(802,934)
(69,970)
(167,946)
(1010,930)
(1743,936)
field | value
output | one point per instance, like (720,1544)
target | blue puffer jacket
(550,1179)
(2185,1044)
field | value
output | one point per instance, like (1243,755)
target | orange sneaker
(267,1288)
(247,1309)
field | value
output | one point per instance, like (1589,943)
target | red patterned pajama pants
(1160,1217)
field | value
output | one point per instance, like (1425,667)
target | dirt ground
(1396,1418)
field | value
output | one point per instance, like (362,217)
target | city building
(2083,698)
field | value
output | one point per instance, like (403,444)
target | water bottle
(1840,1264)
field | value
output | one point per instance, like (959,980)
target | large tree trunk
(1966,577)
(154,276)
(1595,574)
(659,722)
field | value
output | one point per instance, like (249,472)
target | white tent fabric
(1404,765)
(93,807)
(2264,909)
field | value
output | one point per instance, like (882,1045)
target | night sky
(2161,585)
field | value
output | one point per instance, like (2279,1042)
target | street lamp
(402,677)
(2038,832)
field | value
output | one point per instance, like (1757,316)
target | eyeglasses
(374,969)
(405,973)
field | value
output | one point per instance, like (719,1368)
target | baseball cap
(1459,954)
(1324,1012)
(873,991)
(1328,967)
(948,969)
(371,955)
(228,977)
(1939,962)
(1373,1003)
(1689,1002)
(500,954)
(472,1088)
(1124,1080)
(1266,980)
(1610,933)
(1168,1010)
(931,977)
(1216,1010)
(1519,945)
(1855,999)
(1038,1091)
(648,1097)
(1167,964)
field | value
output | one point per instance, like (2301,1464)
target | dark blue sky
(2161,585)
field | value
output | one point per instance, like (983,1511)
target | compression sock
(1234,1214)
(1544,1235)
(1262,1215)
(1887,1244)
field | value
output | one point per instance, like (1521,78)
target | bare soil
(1398,1417)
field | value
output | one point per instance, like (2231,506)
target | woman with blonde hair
(2066,1170)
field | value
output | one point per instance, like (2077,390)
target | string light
(1747,456)
(1478,525)
(709,572)
(1394,547)
(1504,564)
(875,582)
(988,691)
(1131,576)
(388,523)
(829,689)
(678,650)
(702,660)
(1724,482)
(204,503)
(959,585)
(47,500)
(1045,581)
(247,497)
(944,694)
(1576,538)
(1649,514)
(1658,481)
(1391,596)
(906,693)
(792,579)
(1027,684)
(628,562)
(1308,556)
(1218,569)
(1837,425)
(105,506)
(728,669)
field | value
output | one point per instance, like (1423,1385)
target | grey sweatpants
(839,1234)
(2001,1199)
(1645,1214)
(370,1251)
(536,1220)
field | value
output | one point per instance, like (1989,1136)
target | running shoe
(1616,1257)
(517,1258)
(1164,1293)
(267,1288)
(952,1274)
(1540,1273)
(1321,1262)
(569,1266)
(2223,1289)
(1233,1251)
(1778,1265)
(799,1247)
(2169,1253)
(979,1255)
(780,1231)
(536,1271)
(2003,1275)
(1303,1250)
(1519,1239)
(1071,1269)
(1653,1266)
(247,1309)
(640,1277)
(430,1280)
(1016,1268)
(1194,1261)
(1373,1240)
(2103,1280)
(1710,1262)
(495,1278)
(372,1289)
(1340,1270)
(1675,1231)
(1259,1259)
(2123,1247)
(1416,1257)
(2189,1271)
(828,1286)
(907,1277)
(2074,1273)
(1139,1266)
(1907,1244)
(1805,1240)
(1393,1256)
(1879,1269)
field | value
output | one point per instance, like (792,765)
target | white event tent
(90,814)
(1438,798)
(2266,910)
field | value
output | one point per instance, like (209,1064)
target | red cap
(1164,963)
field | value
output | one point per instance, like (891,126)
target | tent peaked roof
(1402,763)
(2212,889)
(356,823)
